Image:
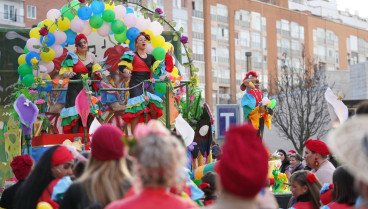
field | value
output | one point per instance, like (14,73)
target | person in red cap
(316,154)
(242,177)
(141,65)
(74,66)
(160,159)
(106,177)
(290,152)
(21,166)
(54,164)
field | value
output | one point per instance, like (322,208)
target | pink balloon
(53,14)
(60,37)
(130,20)
(120,12)
(42,71)
(156,28)
(77,25)
(149,48)
(58,50)
(49,65)
(32,42)
(104,30)
(87,28)
(142,23)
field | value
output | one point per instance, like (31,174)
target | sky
(354,5)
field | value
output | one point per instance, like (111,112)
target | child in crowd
(305,188)
(209,186)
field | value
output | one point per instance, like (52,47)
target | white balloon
(87,28)
(104,30)
(49,65)
(185,130)
(156,28)
(77,25)
(60,37)
(53,14)
(149,48)
(41,71)
(58,50)
(265,100)
(120,12)
(130,20)
(33,42)
(142,23)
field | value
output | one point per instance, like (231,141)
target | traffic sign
(226,115)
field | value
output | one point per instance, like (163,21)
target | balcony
(198,35)
(224,80)
(213,17)
(198,57)
(196,13)
(13,21)
(213,37)
(223,19)
(285,33)
(223,40)
(224,60)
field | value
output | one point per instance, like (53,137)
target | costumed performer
(142,67)
(74,66)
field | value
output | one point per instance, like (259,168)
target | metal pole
(249,60)
(167,106)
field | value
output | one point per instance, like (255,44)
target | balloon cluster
(62,26)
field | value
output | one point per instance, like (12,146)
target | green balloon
(67,12)
(121,38)
(96,21)
(118,27)
(39,25)
(159,53)
(160,88)
(28,80)
(24,69)
(108,15)
(273,104)
(26,49)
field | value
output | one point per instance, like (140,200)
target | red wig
(251,73)
(79,37)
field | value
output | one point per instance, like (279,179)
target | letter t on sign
(227,119)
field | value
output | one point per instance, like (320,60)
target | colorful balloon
(97,7)
(273,104)
(159,53)
(53,14)
(131,45)
(96,21)
(48,56)
(130,20)
(142,23)
(26,49)
(50,41)
(148,32)
(70,37)
(108,6)
(104,30)
(58,50)
(132,33)
(118,26)
(30,56)
(160,88)
(67,12)
(77,25)
(33,42)
(108,15)
(156,28)
(48,65)
(49,24)
(120,12)
(167,46)
(149,48)
(24,69)
(157,41)
(28,80)
(84,13)
(87,28)
(63,24)
(43,205)
(129,11)
(121,38)
(22,59)
(41,71)
(35,33)
(60,37)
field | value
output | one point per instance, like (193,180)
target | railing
(223,59)
(224,80)
(198,35)
(223,19)
(199,57)
(13,18)
(196,13)
(214,17)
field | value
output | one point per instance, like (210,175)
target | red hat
(250,74)
(317,146)
(79,37)
(292,151)
(61,155)
(21,166)
(244,162)
(107,143)
(148,38)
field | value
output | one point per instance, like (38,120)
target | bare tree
(301,110)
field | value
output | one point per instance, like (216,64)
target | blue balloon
(30,56)
(129,10)
(97,7)
(84,13)
(51,40)
(63,45)
(131,45)
(132,33)
(70,37)
(21,78)
(47,89)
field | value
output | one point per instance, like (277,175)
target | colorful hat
(251,74)
(243,174)
(349,143)
(21,166)
(79,37)
(292,151)
(61,155)
(317,146)
(107,143)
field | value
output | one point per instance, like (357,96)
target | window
(256,40)
(197,25)
(213,10)
(285,45)
(214,54)
(197,5)
(177,4)
(257,59)
(295,47)
(256,21)
(222,10)
(294,30)
(264,24)
(9,12)
(353,43)
(285,27)
(198,47)
(301,32)
(244,38)
(279,46)
(181,23)
(321,35)
(278,27)
(213,30)
(223,32)
(337,57)
(264,43)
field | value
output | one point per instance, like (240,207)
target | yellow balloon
(63,25)
(22,59)
(175,72)
(94,29)
(149,32)
(35,33)
(157,41)
(51,26)
(44,205)
(127,41)
(47,56)
(108,6)
(47,77)
(167,46)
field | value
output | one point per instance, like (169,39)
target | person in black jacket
(21,166)
(284,160)
(295,164)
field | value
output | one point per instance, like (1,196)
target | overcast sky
(354,5)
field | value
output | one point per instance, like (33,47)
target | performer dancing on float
(142,65)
